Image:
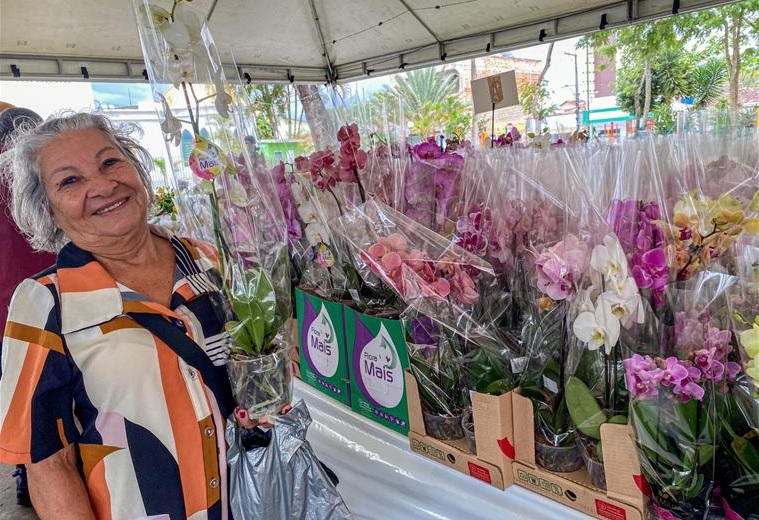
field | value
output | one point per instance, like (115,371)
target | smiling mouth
(112,207)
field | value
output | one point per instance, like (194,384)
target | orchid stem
(339,207)
(361,191)
(197,103)
(173,8)
(221,245)
(193,119)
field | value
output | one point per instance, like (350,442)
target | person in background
(17,258)
(114,390)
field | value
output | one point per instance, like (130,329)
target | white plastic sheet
(380,477)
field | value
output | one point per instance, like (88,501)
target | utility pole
(577,91)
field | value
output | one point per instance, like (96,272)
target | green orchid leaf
(746,453)
(239,334)
(254,303)
(499,387)
(257,329)
(618,419)
(583,408)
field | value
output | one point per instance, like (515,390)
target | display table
(380,477)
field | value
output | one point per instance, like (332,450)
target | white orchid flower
(181,69)
(153,15)
(609,259)
(626,305)
(185,15)
(299,193)
(597,328)
(170,125)
(237,194)
(307,212)
(316,233)
(222,99)
(542,141)
(583,301)
(177,36)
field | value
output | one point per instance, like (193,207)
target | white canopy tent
(304,40)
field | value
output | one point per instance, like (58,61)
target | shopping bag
(284,479)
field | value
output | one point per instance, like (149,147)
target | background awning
(304,40)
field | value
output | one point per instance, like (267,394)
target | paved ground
(8,508)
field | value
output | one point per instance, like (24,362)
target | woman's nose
(100,185)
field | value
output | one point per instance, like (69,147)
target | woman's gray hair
(29,204)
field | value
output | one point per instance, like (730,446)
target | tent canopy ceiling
(304,40)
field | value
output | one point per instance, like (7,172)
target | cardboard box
(323,351)
(623,499)
(493,434)
(378,357)
(291,333)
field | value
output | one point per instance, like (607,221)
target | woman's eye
(110,162)
(68,181)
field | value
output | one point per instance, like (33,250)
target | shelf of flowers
(625,496)
(486,456)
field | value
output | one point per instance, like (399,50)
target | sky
(120,94)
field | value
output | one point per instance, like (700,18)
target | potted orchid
(691,404)
(557,270)
(434,364)
(674,397)
(596,392)
(329,183)
(248,230)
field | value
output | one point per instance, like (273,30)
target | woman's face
(95,192)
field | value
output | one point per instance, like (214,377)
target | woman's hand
(244,420)
(57,489)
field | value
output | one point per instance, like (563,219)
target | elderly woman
(113,388)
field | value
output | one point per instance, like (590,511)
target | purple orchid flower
(423,331)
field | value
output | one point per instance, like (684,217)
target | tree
(268,102)
(322,130)
(674,75)
(733,31)
(418,87)
(639,45)
(533,98)
(707,82)
(539,92)
(729,33)
(428,100)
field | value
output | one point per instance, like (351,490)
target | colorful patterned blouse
(77,369)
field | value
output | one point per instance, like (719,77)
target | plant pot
(559,459)
(262,385)
(596,471)
(595,467)
(443,427)
(467,424)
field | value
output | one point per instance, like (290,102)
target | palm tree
(428,98)
(424,85)
(708,82)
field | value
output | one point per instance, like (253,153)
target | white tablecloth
(381,478)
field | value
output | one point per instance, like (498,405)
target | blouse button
(213,483)
(209,431)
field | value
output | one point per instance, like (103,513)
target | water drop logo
(322,344)
(380,370)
